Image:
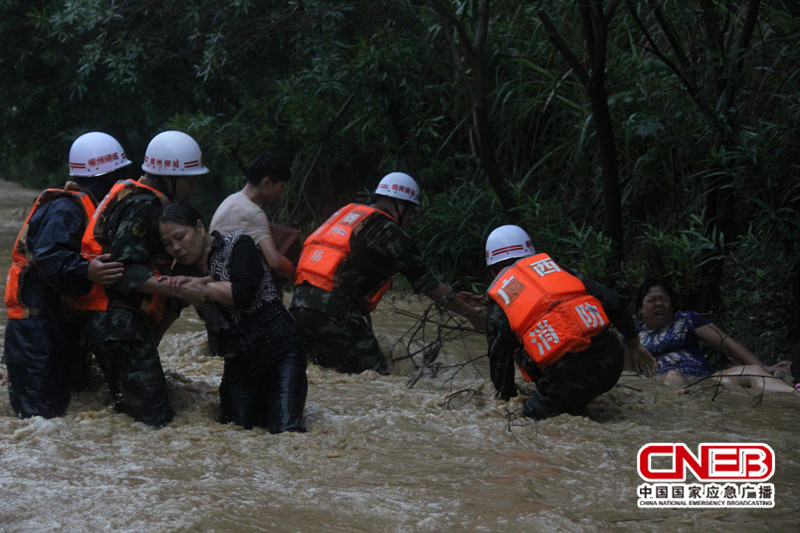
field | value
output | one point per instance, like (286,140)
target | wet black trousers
(42,356)
(577,378)
(265,390)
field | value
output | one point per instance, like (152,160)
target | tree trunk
(594,22)
(471,71)
(608,157)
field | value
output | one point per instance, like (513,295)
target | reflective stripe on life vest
(21,257)
(547,308)
(326,249)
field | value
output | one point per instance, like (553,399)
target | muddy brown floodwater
(444,455)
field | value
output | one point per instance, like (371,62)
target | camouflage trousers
(136,379)
(343,340)
(576,379)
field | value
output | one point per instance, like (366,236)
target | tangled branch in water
(715,383)
(463,396)
(621,386)
(516,418)
(423,342)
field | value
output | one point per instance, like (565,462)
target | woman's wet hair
(180,213)
(648,284)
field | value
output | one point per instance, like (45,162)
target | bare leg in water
(748,376)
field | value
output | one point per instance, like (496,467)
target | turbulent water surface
(443,455)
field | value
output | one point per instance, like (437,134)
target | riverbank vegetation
(629,138)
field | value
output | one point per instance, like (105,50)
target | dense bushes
(352,90)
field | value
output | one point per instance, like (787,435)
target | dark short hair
(268,164)
(180,213)
(648,284)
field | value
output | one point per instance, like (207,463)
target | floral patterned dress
(675,346)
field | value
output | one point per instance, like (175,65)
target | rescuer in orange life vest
(129,318)
(346,266)
(554,324)
(49,282)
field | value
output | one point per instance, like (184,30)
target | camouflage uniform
(334,325)
(122,336)
(573,381)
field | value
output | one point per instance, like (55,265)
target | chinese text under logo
(727,475)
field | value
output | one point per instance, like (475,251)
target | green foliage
(352,90)
(452,232)
(763,271)
(678,255)
(590,252)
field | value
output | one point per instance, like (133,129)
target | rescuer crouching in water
(554,325)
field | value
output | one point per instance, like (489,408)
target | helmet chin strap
(171,183)
(162,183)
(401,213)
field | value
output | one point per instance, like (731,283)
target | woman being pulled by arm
(264,380)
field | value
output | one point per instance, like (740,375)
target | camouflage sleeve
(132,236)
(502,345)
(400,250)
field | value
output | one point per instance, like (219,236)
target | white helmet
(507,242)
(173,153)
(94,154)
(400,186)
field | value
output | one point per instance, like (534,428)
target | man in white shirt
(266,179)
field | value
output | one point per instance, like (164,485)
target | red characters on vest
(325,250)
(547,308)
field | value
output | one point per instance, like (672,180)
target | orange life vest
(326,249)
(21,257)
(547,308)
(94,240)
